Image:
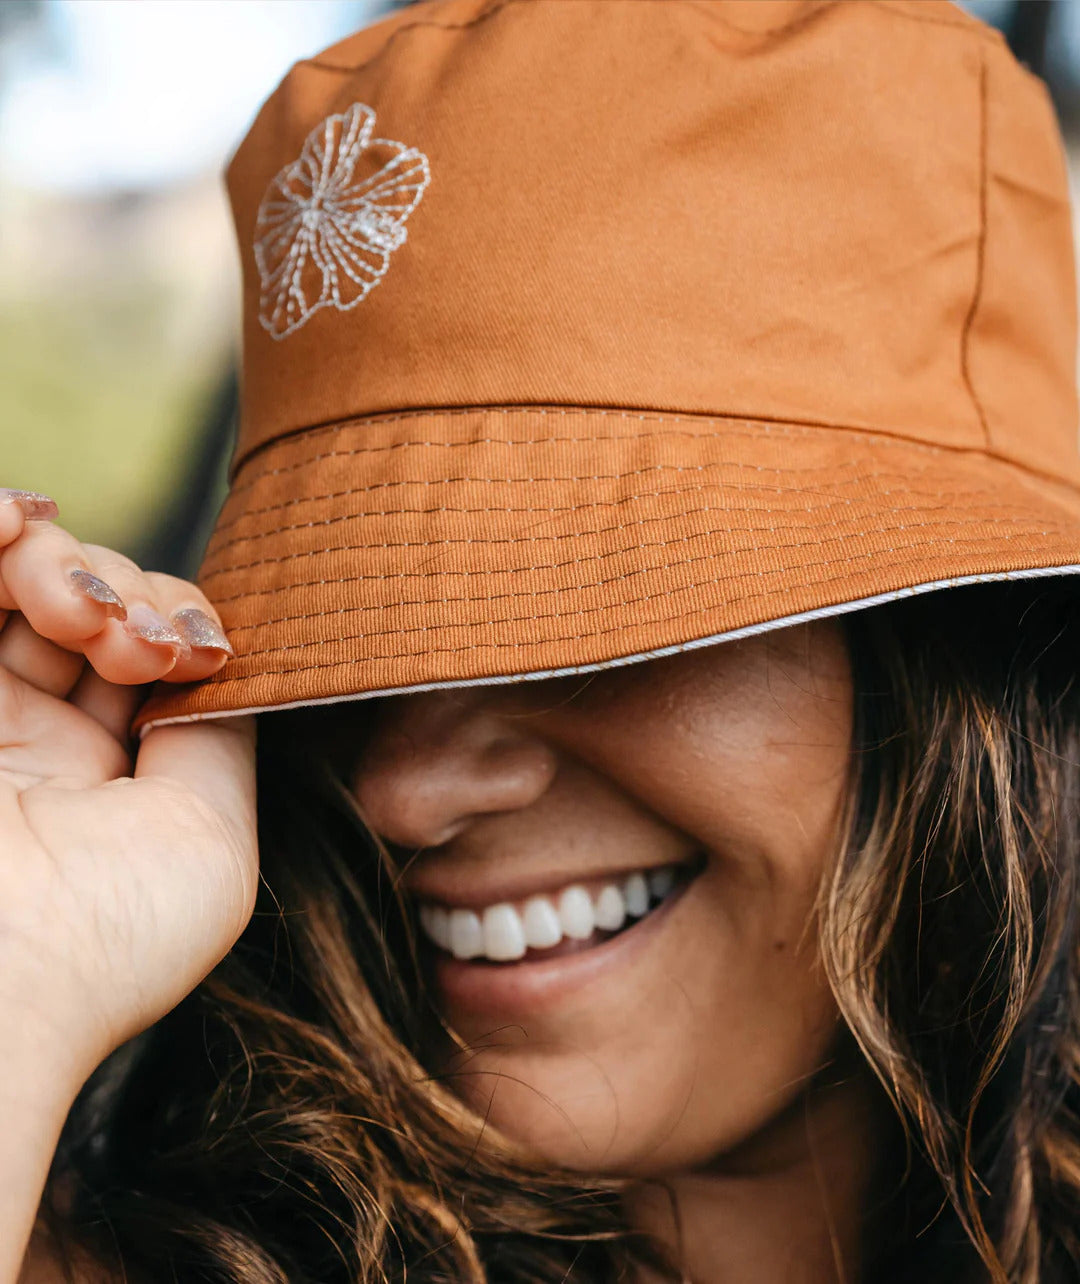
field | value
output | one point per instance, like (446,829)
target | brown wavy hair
(280,1124)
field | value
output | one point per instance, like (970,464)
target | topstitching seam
(1030,528)
(325,581)
(580,587)
(778,428)
(211,572)
(604,607)
(761,426)
(712,466)
(836,501)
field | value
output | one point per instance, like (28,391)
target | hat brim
(402,552)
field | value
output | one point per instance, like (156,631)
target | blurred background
(118,280)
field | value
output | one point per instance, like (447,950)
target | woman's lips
(510,930)
(542,978)
(483,959)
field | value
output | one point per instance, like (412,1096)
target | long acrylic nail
(98,591)
(32,503)
(199,631)
(144,623)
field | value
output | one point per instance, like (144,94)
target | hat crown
(851,214)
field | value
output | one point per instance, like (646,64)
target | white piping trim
(749,630)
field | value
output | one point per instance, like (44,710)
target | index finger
(17,507)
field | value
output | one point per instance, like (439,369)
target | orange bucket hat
(579,332)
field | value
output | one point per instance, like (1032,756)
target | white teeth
(466,934)
(541,923)
(436,922)
(440,926)
(610,909)
(504,932)
(576,913)
(661,881)
(442,929)
(504,935)
(636,891)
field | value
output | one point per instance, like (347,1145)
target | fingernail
(199,630)
(144,623)
(98,591)
(32,504)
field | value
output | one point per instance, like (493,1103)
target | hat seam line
(768,35)
(604,530)
(549,566)
(557,615)
(980,32)
(977,28)
(711,555)
(214,550)
(745,630)
(555,409)
(443,574)
(217,572)
(775,570)
(805,427)
(491,7)
(247,513)
(980,257)
(669,566)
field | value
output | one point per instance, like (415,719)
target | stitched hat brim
(405,551)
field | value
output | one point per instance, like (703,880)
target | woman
(659,873)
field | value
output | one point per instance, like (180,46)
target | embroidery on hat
(323,235)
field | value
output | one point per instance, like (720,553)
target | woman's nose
(438,759)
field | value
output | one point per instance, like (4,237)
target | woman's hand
(122,883)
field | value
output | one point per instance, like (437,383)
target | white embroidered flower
(323,233)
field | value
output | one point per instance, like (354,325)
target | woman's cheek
(714,1030)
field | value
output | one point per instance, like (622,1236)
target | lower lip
(531,986)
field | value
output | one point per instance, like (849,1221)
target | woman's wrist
(48,1034)
(39,1080)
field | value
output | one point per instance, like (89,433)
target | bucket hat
(580,332)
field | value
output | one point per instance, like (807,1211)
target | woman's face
(705,789)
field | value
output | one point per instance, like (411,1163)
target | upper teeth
(505,931)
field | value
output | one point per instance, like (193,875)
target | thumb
(215,759)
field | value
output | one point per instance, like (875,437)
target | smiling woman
(660,855)
(857,993)
(719,773)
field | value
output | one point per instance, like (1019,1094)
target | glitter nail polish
(31,502)
(199,631)
(144,623)
(98,591)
